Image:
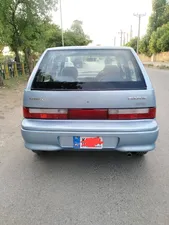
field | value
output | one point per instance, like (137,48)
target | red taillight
(90,114)
(132,114)
(32,113)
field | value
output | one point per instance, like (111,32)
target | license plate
(88,142)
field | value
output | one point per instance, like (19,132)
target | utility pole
(61,22)
(121,37)
(139,24)
(127,37)
(131,32)
(124,38)
(114,41)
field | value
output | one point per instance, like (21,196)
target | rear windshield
(90,69)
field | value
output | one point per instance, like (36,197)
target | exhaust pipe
(129,154)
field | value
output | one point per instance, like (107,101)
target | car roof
(89,47)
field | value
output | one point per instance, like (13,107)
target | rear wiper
(89,72)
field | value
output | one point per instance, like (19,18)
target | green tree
(20,19)
(72,37)
(35,38)
(165,14)
(157,18)
(159,41)
(77,30)
(52,35)
(144,45)
(77,27)
(132,43)
(157,4)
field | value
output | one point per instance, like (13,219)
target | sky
(102,20)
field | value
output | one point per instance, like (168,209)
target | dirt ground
(10,100)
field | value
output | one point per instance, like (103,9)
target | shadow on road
(83,163)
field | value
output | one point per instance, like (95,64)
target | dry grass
(14,82)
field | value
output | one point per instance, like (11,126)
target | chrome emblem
(36,99)
(137,98)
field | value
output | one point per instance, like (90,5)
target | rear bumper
(117,135)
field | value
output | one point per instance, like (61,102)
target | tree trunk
(17,57)
(1,81)
(28,59)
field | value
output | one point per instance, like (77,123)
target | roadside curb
(157,66)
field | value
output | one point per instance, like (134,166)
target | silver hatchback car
(108,104)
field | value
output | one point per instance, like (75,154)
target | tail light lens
(131,114)
(32,113)
(90,114)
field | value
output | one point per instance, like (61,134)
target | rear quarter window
(97,69)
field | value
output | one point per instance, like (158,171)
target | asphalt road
(69,188)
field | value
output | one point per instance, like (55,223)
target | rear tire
(141,153)
(39,153)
